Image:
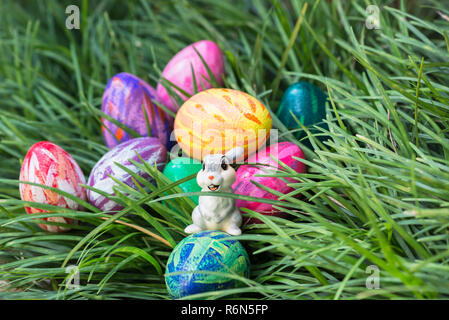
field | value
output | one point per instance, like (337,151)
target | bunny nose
(211,177)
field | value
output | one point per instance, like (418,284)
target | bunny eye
(204,167)
(224,166)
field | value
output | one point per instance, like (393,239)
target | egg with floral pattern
(130,101)
(48,164)
(102,176)
(284,152)
(187,61)
(217,120)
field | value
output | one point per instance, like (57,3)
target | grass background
(377,187)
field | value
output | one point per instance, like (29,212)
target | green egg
(181,167)
(307,103)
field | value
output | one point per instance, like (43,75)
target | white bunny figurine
(213,212)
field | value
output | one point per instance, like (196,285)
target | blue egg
(205,251)
(307,102)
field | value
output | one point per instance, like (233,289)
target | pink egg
(48,164)
(179,70)
(284,152)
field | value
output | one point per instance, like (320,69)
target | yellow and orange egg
(218,119)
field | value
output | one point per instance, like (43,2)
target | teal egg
(181,167)
(307,102)
(205,251)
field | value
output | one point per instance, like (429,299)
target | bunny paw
(193,228)
(233,231)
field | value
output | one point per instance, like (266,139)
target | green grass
(377,187)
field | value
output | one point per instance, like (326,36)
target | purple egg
(150,149)
(123,98)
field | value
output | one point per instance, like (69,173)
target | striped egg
(127,99)
(217,120)
(284,152)
(179,71)
(150,149)
(48,164)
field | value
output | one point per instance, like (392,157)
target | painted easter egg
(128,100)
(179,71)
(217,120)
(181,167)
(284,152)
(50,165)
(307,103)
(205,251)
(150,149)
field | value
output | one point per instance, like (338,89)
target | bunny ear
(234,154)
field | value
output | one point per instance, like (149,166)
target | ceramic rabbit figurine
(213,212)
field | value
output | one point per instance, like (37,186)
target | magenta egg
(127,99)
(150,149)
(284,152)
(179,71)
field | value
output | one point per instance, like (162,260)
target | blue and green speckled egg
(307,102)
(181,167)
(205,251)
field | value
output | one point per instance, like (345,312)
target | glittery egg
(48,164)
(201,252)
(150,149)
(307,103)
(179,70)
(127,99)
(217,120)
(284,152)
(181,167)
